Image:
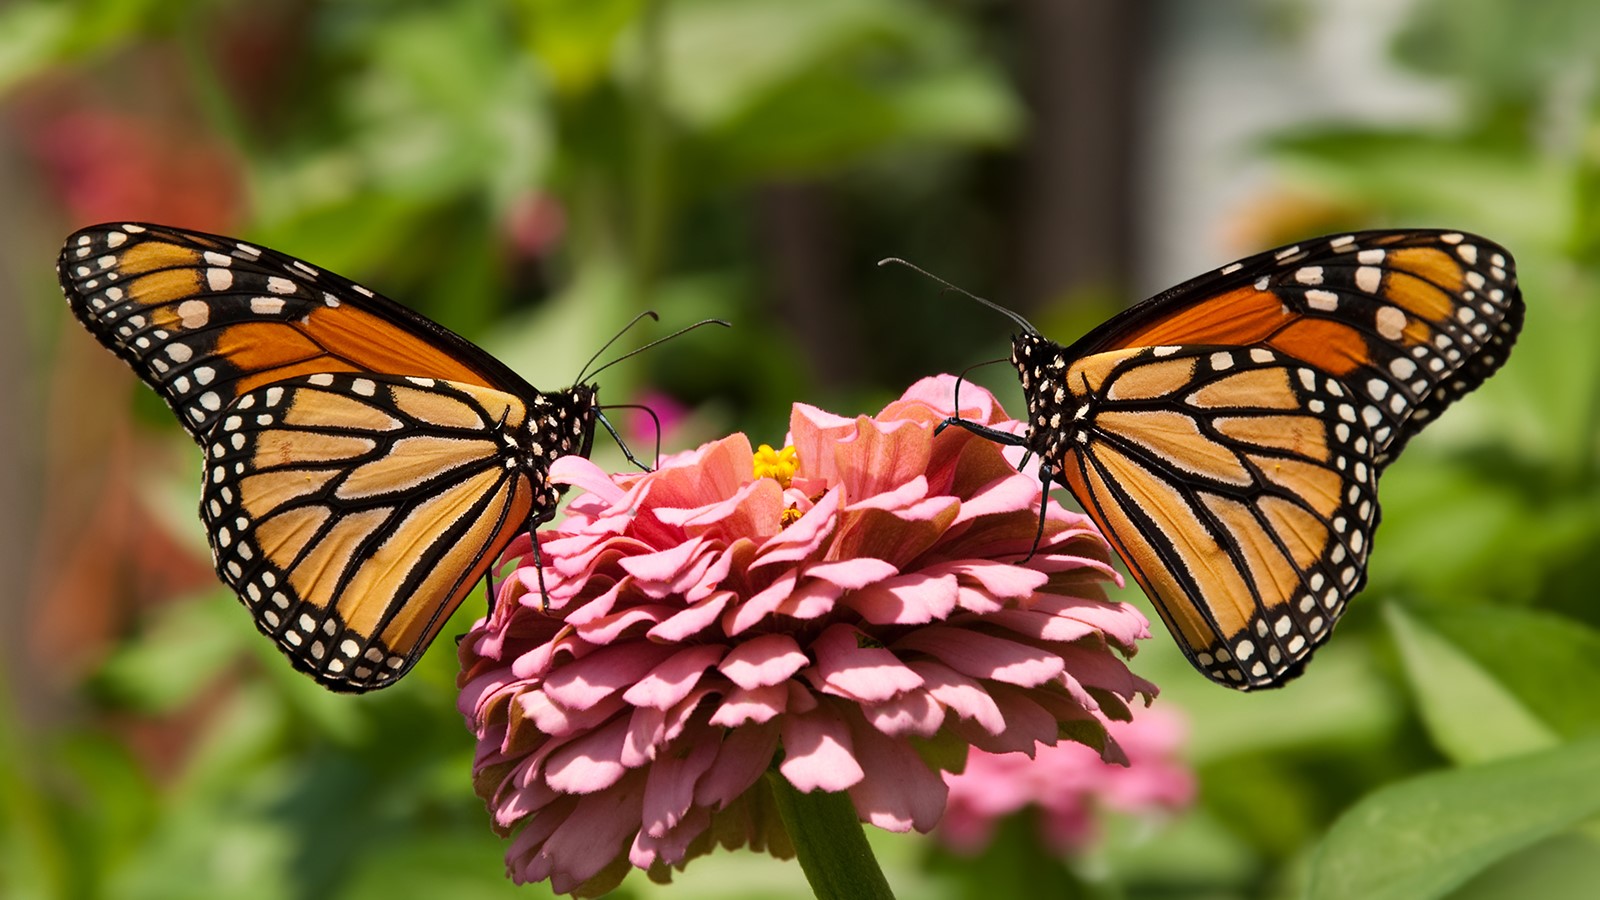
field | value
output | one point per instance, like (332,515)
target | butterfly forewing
(204,319)
(353,513)
(1409,320)
(1227,435)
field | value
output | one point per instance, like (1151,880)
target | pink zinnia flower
(1070,785)
(853,609)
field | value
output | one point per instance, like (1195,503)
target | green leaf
(1494,681)
(1468,711)
(575,40)
(1422,838)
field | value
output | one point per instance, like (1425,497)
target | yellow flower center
(779,465)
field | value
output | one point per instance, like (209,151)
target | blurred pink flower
(534,224)
(640,428)
(855,615)
(1070,784)
(104,165)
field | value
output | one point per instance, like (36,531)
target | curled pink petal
(764,660)
(818,753)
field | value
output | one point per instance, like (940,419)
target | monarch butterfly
(1227,434)
(364,465)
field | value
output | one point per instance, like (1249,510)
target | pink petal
(756,609)
(764,660)
(590,762)
(914,712)
(983,656)
(670,785)
(804,537)
(1118,621)
(663,565)
(1000,497)
(610,629)
(964,696)
(851,664)
(899,791)
(745,754)
(1041,626)
(898,498)
(851,574)
(608,670)
(700,616)
(672,680)
(578,471)
(883,459)
(912,599)
(997,578)
(746,705)
(556,719)
(818,753)
(597,832)
(672,845)
(754,512)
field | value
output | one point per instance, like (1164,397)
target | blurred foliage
(533,172)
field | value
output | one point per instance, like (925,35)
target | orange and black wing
(1240,488)
(204,319)
(364,465)
(1410,320)
(352,513)
(1227,435)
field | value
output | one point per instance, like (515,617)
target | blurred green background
(534,172)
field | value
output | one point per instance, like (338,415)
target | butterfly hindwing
(353,513)
(1238,486)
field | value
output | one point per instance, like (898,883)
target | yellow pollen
(790,516)
(779,465)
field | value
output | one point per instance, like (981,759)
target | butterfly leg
(1045,477)
(628,454)
(538,568)
(983,431)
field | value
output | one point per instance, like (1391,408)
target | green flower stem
(830,843)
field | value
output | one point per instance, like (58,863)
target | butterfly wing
(205,319)
(1411,320)
(1240,488)
(1227,434)
(364,465)
(353,513)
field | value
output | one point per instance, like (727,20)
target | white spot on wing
(1369,278)
(1391,322)
(1323,300)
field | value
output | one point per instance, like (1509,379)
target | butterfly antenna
(661,340)
(1012,314)
(600,414)
(650,313)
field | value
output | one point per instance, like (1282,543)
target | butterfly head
(1042,365)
